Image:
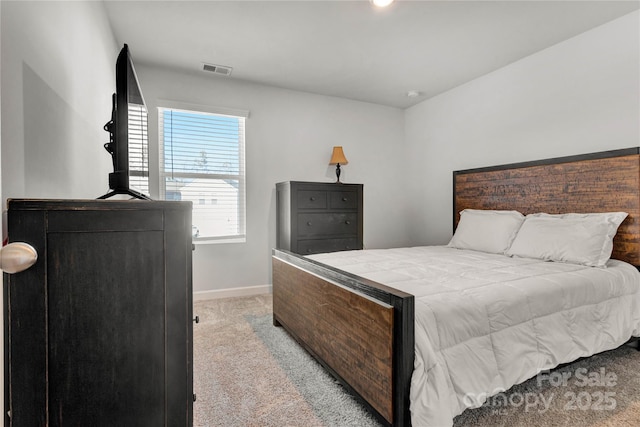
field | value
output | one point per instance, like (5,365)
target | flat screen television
(128,106)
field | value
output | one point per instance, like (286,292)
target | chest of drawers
(314,217)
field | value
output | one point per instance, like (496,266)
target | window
(138,148)
(202,160)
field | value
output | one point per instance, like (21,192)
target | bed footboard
(360,331)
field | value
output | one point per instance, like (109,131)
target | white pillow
(585,239)
(486,230)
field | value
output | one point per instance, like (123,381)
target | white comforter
(485,322)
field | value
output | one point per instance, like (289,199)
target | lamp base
(338,172)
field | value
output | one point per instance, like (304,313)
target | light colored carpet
(236,381)
(250,373)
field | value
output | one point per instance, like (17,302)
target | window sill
(217,240)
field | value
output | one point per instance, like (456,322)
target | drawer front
(327,224)
(343,200)
(312,199)
(327,245)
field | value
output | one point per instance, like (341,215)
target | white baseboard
(232,292)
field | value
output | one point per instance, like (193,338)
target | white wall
(289,136)
(579,96)
(57,76)
(58,73)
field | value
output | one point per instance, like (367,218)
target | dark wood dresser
(314,217)
(98,332)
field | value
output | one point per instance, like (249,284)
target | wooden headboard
(598,182)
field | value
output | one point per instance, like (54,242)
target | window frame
(165,105)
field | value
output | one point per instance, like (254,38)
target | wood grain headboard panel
(598,182)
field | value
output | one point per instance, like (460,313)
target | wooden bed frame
(363,332)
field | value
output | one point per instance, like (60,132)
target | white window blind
(202,161)
(138,149)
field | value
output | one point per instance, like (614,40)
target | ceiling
(352,49)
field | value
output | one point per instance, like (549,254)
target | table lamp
(338,158)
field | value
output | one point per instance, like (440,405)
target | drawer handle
(347,222)
(309,223)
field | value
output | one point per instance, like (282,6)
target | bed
(368,333)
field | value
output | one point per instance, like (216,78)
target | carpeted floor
(249,373)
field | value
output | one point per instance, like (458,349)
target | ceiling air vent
(217,69)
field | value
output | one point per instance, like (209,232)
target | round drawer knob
(309,223)
(347,222)
(344,199)
(313,199)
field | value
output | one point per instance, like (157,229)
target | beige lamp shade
(337,157)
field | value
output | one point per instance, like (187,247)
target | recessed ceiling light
(381,3)
(413,93)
